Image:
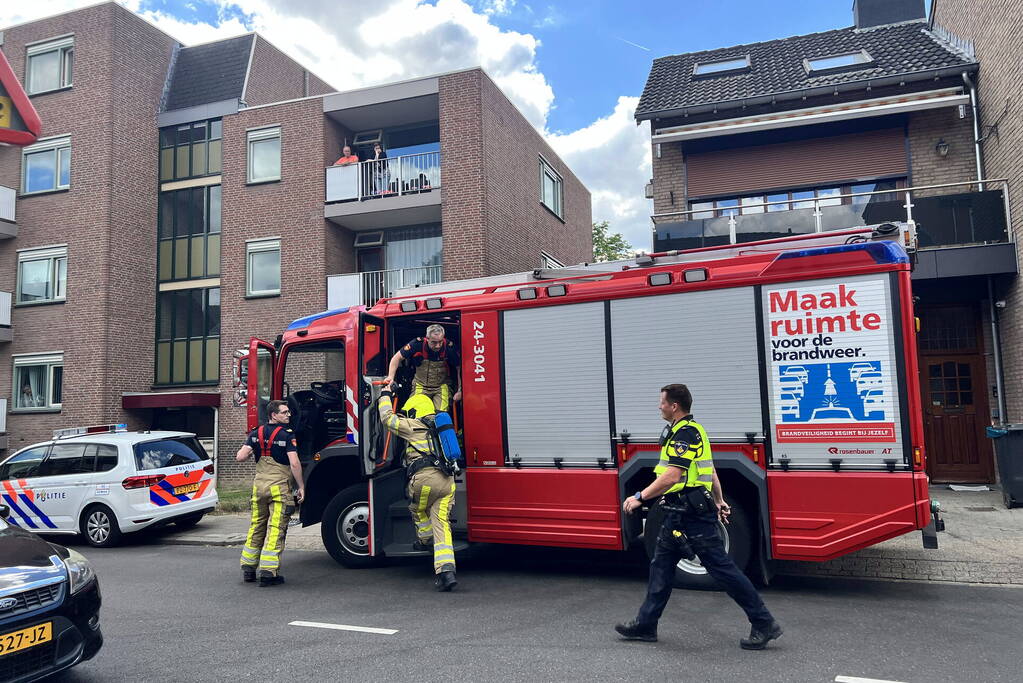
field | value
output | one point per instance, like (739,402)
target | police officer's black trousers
(702,532)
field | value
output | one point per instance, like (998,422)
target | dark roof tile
(209,73)
(776,66)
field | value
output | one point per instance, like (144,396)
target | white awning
(933,99)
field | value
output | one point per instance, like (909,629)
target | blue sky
(574,69)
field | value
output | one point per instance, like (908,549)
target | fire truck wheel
(345,528)
(691,574)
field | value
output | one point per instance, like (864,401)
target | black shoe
(268,579)
(758,638)
(632,630)
(248,574)
(419,545)
(446,581)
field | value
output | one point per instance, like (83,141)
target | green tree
(609,246)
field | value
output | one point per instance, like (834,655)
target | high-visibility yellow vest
(700,469)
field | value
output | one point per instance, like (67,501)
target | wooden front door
(954,386)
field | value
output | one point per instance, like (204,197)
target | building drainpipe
(976,130)
(997,349)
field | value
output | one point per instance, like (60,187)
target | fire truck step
(405,549)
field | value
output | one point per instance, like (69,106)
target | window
(263,263)
(42,275)
(101,457)
(65,458)
(188,336)
(264,154)
(853,59)
(721,66)
(189,233)
(191,150)
(46,166)
(795,199)
(25,464)
(551,193)
(38,382)
(156,455)
(50,65)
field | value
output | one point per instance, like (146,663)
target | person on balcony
(381,174)
(347,157)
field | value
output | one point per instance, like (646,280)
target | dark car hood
(25,558)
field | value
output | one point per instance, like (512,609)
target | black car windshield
(154,455)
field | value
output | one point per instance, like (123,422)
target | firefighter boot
(759,637)
(248,574)
(633,630)
(422,545)
(446,581)
(268,579)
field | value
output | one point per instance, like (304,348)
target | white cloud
(612,157)
(353,43)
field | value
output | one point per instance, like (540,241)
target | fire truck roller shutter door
(555,364)
(711,339)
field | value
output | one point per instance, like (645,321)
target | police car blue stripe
(153,498)
(170,489)
(39,513)
(17,510)
(309,319)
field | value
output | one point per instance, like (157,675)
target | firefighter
(436,363)
(693,500)
(431,490)
(277,465)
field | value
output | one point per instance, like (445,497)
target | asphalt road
(178,613)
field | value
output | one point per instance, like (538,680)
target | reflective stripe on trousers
(271,511)
(433,495)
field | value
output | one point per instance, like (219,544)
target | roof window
(725,66)
(835,62)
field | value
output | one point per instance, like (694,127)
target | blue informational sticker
(833,392)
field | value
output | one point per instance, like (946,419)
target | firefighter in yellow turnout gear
(430,489)
(436,362)
(275,448)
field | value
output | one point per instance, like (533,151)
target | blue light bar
(882,252)
(310,319)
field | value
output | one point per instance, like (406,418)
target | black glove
(386,393)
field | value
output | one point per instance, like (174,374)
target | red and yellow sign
(19,122)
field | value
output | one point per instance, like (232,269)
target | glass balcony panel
(838,217)
(961,218)
(750,228)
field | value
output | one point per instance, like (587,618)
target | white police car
(103,482)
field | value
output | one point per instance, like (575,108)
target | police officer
(436,362)
(430,489)
(276,451)
(694,502)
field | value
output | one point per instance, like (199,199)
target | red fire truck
(799,352)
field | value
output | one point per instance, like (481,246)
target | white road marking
(854,679)
(345,627)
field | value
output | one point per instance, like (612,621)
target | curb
(213,540)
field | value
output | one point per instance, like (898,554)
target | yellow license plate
(26,638)
(187,488)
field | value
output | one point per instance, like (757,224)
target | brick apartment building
(182,199)
(859,126)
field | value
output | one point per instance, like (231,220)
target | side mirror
(5,512)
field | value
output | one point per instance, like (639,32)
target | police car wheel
(99,527)
(345,528)
(690,573)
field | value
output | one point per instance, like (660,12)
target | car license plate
(26,638)
(187,488)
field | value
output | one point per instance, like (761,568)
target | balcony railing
(7,201)
(408,174)
(945,215)
(367,288)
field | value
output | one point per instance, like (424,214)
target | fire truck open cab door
(262,361)
(374,448)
